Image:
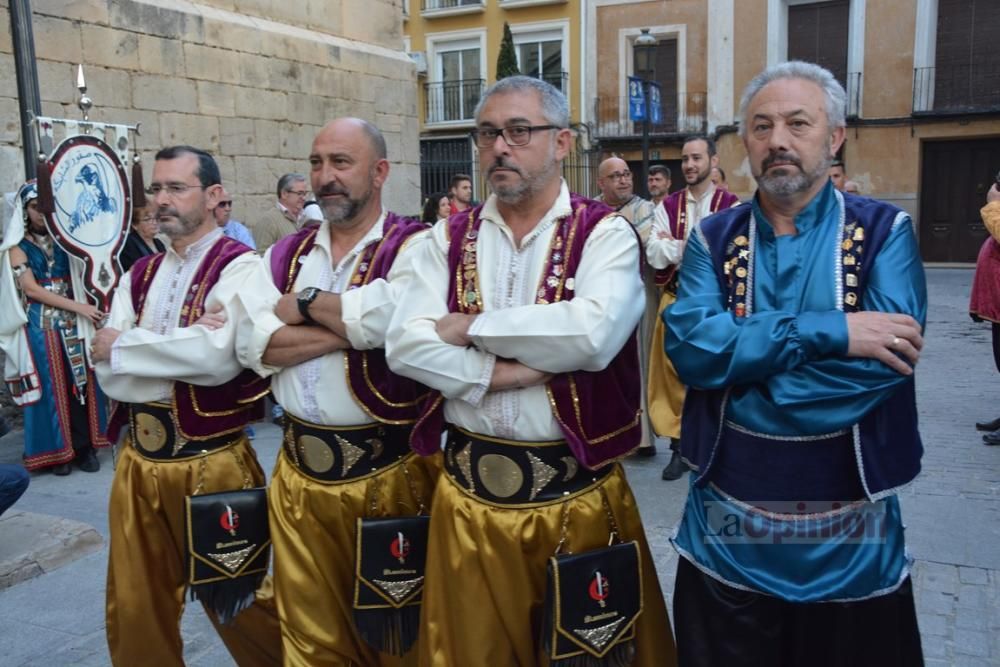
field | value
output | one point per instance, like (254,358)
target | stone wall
(249,80)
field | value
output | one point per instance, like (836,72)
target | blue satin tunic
(789,379)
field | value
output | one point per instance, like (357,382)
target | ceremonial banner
(92,210)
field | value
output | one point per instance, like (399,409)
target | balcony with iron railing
(956,89)
(559,80)
(681,113)
(451,7)
(452,102)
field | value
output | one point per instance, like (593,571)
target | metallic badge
(541,474)
(398,590)
(849,260)
(851,280)
(740,310)
(501,476)
(464,460)
(316,454)
(600,636)
(741,289)
(150,432)
(851,298)
(557,257)
(470,298)
(571,467)
(741,272)
(377,447)
(233,559)
(740,240)
(552,281)
(351,453)
(570,284)
(847,244)
(859,234)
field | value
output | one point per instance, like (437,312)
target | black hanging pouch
(592,602)
(228,548)
(389,582)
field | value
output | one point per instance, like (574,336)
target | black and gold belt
(513,472)
(155,436)
(343,453)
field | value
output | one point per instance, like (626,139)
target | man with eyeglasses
(675,218)
(168,356)
(284,218)
(522,318)
(234,229)
(615,181)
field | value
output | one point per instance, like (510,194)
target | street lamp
(645,60)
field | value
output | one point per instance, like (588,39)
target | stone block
(151,18)
(327,81)
(239,33)
(969,618)
(6,46)
(268,135)
(296,142)
(216,99)
(307,109)
(227,169)
(107,87)
(56,81)
(10,125)
(212,64)
(378,24)
(86,11)
(237,137)
(972,575)
(265,104)
(161,56)
(972,596)
(162,93)
(148,121)
(284,75)
(254,70)
(11,168)
(57,39)
(110,48)
(972,642)
(200,131)
(933,624)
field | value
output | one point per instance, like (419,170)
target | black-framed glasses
(513,135)
(302,194)
(172,189)
(226,204)
(620,175)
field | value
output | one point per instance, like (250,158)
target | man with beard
(797,323)
(614,179)
(658,183)
(167,355)
(675,218)
(521,313)
(460,193)
(318,307)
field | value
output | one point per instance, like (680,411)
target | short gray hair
(555,108)
(836,98)
(286,180)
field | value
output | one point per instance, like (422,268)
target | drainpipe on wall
(28,99)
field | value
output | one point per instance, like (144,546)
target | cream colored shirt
(316,390)
(150,355)
(664,252)
(584,333)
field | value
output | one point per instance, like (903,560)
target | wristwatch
(305,299)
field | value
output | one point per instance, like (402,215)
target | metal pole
(28,98)
(643,183)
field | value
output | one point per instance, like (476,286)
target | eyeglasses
(298,193)
(620,176)
(514,135)
(172,189)
(226,204)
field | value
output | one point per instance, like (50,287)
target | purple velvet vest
(598,412)
(385,396)
(201,412)
(676,208)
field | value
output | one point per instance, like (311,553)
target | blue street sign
(655,104)
(636,99)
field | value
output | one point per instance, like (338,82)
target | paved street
(952,513)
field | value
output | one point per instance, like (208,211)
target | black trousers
(719,626)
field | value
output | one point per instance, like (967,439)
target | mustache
(167,213)
(333,189)
(500,163)
(773,158)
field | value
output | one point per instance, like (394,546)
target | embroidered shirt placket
(167,304)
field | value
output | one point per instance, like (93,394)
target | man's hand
(213,318)
(100,347)
(509,374)
(993,194)
(883,336)
(287,309)
(453,329)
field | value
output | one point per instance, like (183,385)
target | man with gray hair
(797,325)
(522,318)
(283,219)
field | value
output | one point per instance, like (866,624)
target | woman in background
(141,239)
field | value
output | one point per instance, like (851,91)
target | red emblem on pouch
(230,521)
(400,548)
(600,588)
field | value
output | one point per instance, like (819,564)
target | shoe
(675,469)
(992,438)
(645,452)
(988,426)
(251,434)
(88,462)
(62,469)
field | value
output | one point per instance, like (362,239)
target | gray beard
(797,182)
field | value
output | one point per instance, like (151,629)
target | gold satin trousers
(147,580)
(665,391)
(486,575)
(314,530)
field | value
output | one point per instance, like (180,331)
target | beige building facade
(922,77)
(249,80)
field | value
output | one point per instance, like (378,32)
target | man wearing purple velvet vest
(523,319)
(167,356)
(318,309)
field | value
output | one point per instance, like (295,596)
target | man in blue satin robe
(797,325)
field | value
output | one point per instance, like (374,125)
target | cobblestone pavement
(951,513)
